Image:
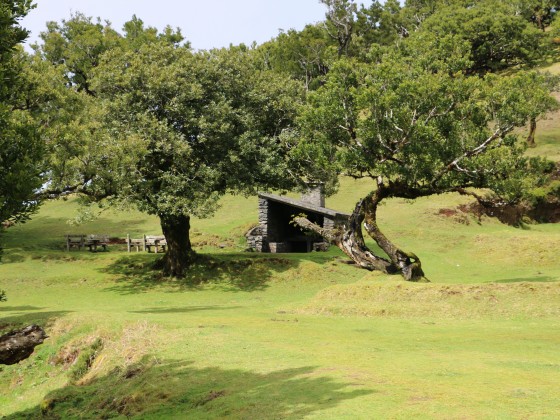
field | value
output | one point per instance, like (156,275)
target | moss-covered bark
(179,253)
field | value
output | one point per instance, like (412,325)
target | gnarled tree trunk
(19,345)
(350,240)
(353,244)
(179,253)
(407,263)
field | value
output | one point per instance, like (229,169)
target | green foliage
(304,55)
(3,297)
(425,128)
(136,35)
(197,124)
(495,36)
(21,155)
(349,31)
(11,33)
(555,30)
(78,43)
(547,193)
(380,23)
(20,147)
(479,36)
(539,12)
(341,17)
(149,123)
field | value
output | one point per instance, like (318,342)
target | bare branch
(328,234)
(433,113)
(454,165)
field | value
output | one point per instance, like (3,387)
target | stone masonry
(275,233)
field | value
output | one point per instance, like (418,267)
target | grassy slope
(257,336)
(548,129)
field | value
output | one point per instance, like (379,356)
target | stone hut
(276,232)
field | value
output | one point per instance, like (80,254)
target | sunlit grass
(287,336)
(548,143)
(247,335)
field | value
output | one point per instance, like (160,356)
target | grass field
(249,336)
(286,336)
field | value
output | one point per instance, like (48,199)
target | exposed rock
(19,344)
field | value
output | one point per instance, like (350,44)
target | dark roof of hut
(302,205)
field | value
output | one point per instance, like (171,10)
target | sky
(205,23)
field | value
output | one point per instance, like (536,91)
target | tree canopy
(422,98)
(495,37)
(151,123)
(20,146)
(419,127)
(201,124)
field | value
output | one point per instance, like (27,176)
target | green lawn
(286,336)
(548,140)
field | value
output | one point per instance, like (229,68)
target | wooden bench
(137,243)
(147,242)
(155,241)
(93,241)
(75,241)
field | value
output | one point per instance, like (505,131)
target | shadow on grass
(176,389)
(12,257)
(231,272)
(24,318)
(19,308)
(535,279)
(47,232)
(47,255)
(186,309)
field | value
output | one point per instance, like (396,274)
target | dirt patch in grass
(212,395)
(457,214)
(407,300)
(78,357)
(65,357)
(512,215)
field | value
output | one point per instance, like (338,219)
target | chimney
(315,194)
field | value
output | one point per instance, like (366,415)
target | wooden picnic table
(92,241)
(147,242)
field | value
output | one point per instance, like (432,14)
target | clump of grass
(201,240)
(122,391)
(85,360)
(458,301)
(136,340)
